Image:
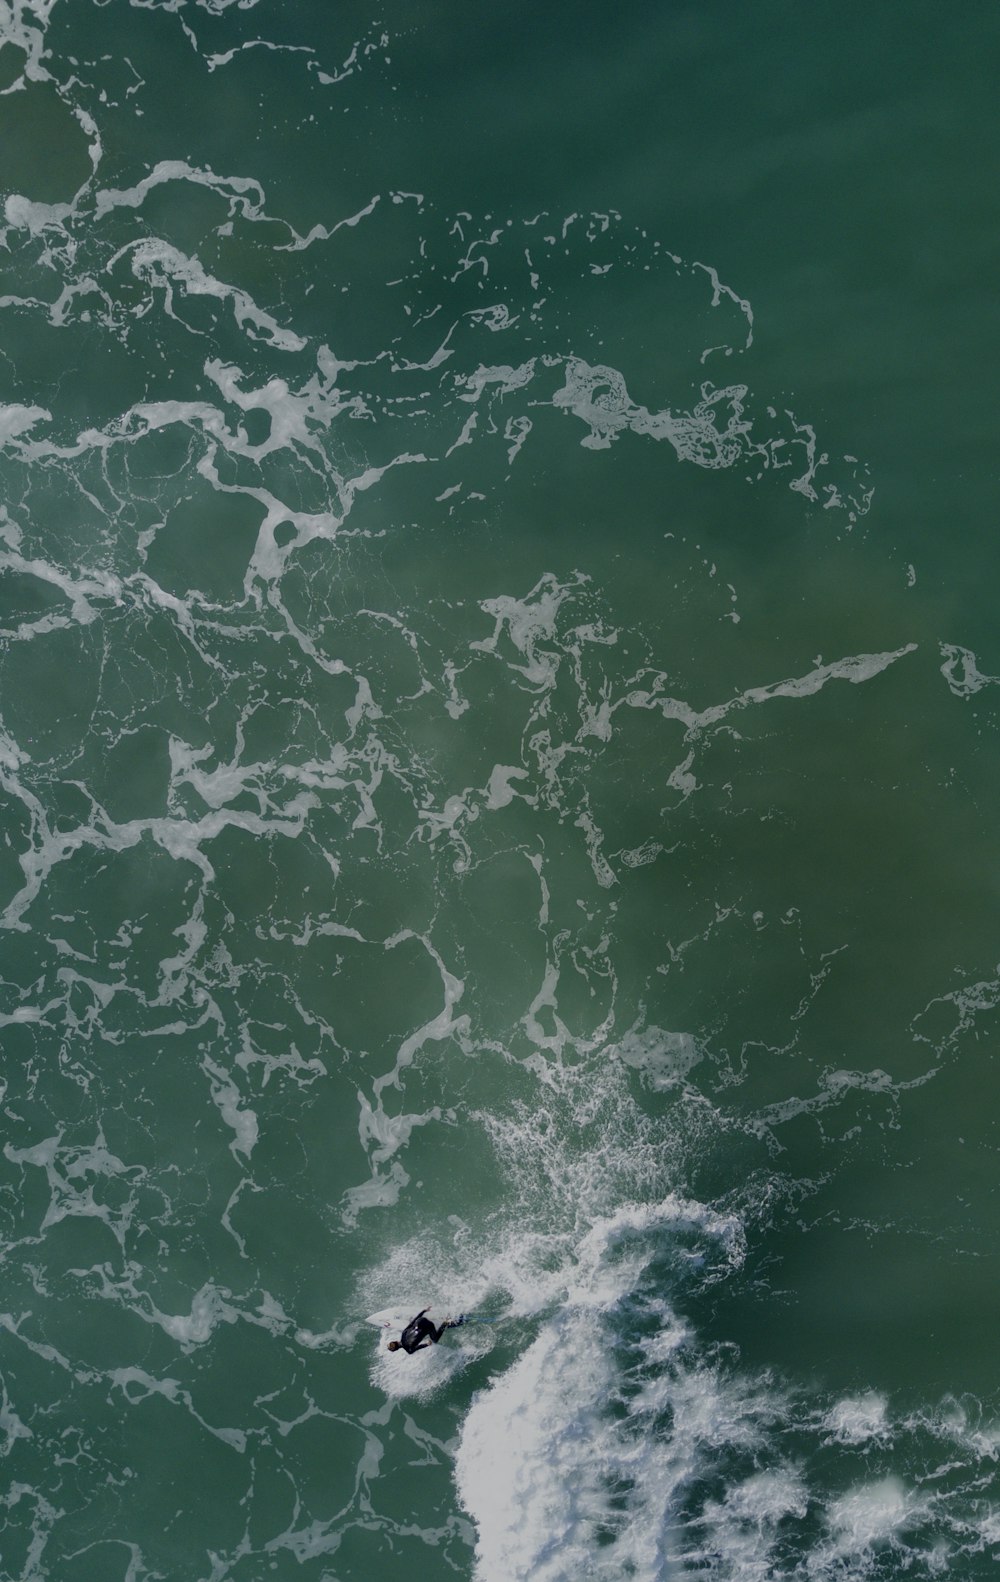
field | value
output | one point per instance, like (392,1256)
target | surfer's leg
(449,1323)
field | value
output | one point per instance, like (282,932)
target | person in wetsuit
(420,1331)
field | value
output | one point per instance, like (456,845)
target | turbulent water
(498,760)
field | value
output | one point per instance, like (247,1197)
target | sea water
(498,750)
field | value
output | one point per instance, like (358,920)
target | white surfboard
(397,1318)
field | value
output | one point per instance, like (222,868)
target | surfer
(420,1331)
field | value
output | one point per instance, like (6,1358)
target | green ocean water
(498,749)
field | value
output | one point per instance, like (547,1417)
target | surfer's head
(394,1345)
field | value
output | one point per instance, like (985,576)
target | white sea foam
(665,1059)
(868,1517)
(73,1175)
(17,420)
(859,1418)
(962,673)
(576,1458)
(738,1535)
(573,1461)
(159,264)
(610,1443)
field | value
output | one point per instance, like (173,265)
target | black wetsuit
(420,1329)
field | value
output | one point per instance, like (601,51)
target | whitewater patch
(563,1462)
(613,1440)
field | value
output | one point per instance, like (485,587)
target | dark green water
(498,761)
